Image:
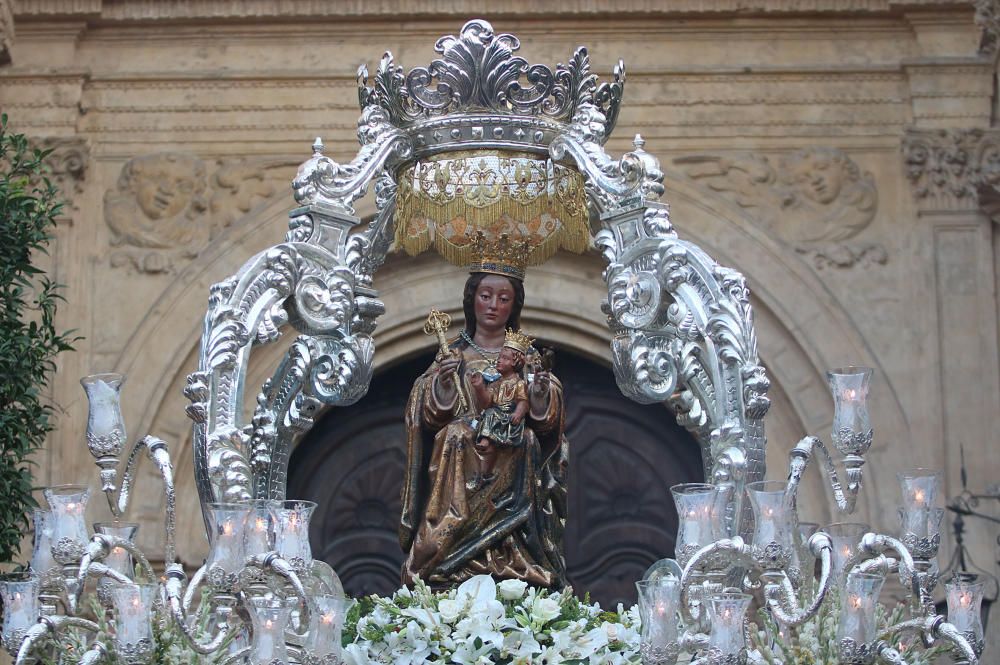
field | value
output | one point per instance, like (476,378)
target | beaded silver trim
(328,659)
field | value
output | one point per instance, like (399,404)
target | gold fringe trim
(443,202)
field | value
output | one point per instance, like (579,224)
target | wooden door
(623,459)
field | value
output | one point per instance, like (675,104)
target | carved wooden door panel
(623,459)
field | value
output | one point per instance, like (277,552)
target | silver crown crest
(479,92)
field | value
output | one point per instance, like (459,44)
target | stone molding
(948,168)
(131,10)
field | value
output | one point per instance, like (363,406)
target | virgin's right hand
(447,366)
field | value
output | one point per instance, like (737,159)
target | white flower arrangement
(482,622)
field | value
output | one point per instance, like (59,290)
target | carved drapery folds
(167,207)
(817,199)
(683,325)
(952,169)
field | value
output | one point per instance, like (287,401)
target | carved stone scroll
(948,169)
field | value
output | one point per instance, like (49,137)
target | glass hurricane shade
(326,625)
(258,535)
(42,560)
(857,608)
(773,536)
(727,611)
(105,426)
(845,538)
(67,505)
(269,617)
(226,522)
(658,603)
(852,428)
(291,529)
(698,518)
(965,598)
(19,592)
(133,609)
(919,489)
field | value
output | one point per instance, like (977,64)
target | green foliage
(29,341)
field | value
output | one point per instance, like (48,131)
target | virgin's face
(494,301)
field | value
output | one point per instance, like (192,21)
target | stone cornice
(151,10)
(948,169)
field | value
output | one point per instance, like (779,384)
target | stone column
(953,174)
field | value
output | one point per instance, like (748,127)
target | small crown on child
(517,340)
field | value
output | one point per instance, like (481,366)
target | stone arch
(802,328)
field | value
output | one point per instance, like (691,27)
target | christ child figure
(504,403)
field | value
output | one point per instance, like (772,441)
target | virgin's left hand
(540,384)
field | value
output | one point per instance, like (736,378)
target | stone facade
(842,154)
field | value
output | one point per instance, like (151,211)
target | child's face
(507,362)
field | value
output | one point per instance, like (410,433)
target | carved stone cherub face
(821,174)
(165,185)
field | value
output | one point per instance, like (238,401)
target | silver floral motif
(713,656)
(12,640)
(661,655)
(68,551)
(134,653)
(106,446)
(771,556)
(853,653)
(922,547)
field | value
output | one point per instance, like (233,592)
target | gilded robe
(512,527)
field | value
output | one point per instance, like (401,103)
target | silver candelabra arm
(174,590)
(720,554)
(97,550)
(933,628)
(801,455)
(874,544)
(781,596)
(95,654)
(272,561)
(118,498)
(46,627)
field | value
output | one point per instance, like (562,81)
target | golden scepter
(437,324)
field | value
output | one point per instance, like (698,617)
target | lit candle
(698,511)
(133,605)
(269,617)
(658,603)
(964,594)
(845,537)
(20,604)
(857,616)
(727,612)
(291,529)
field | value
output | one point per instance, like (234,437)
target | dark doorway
(623,459)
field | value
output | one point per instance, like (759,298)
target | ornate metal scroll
(318,281)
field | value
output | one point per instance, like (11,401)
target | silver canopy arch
(682,325)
